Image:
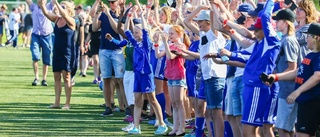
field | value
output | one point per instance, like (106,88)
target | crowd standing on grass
(237,68)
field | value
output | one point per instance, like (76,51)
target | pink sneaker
(128,119)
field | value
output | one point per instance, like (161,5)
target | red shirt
(175,69)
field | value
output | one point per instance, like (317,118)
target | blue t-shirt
(309,65)
(106,28)
(192,65)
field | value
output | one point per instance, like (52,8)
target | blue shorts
(1,30)
(200,92)
(41,44)
(181,83)
(272,105)
(111,60)
(191,83)
(158,65)
(144,83)
(227,96)
(257,105)
(236,95)
(213,89)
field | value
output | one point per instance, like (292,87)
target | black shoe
(108,112)
(84,75)
(128,111)
(44,83)
(7,43)
(35,82)
(102,105)
(80,74)
(113,105)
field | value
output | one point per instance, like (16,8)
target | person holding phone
(307,86)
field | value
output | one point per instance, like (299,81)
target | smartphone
(293,6)
(173,51)
(264,78)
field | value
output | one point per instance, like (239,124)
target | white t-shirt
(208,67)
(13,24)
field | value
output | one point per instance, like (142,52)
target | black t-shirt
(79,23)
(28,20)
(95,36)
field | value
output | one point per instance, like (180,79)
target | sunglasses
(64,7)
(189,12)
(310,35)
(112,2)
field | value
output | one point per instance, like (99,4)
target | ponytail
(186,40)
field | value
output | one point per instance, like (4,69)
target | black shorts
(94,48)
(308,117)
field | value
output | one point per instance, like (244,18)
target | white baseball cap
(203,15)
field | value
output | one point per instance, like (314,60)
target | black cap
(314,29)
(256,11)
(241,19)
(285,14)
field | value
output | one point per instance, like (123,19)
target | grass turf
(23,108)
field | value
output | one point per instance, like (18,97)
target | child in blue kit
(143,74)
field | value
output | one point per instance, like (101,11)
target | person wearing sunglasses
(307,86)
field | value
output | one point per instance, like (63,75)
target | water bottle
(224,58)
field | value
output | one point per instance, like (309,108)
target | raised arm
(96,23)
(240,29)
(187,21)
(94,8)
(269,31)
(70,20)
(112,22)
(52,17)
(29,2)
(119,25)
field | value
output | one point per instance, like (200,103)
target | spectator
(64,31)
(40,41)
(28,30)
(110,55)
(288,60)
(307,86)
(3,17)
(14,20)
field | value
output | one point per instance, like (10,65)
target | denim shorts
(237,98)
(181,83)
(111,59)
(213,89)
(228,100)
(1,30)
(41,44)
(286,115)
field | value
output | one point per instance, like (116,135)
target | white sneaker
(156,124)
(128,127)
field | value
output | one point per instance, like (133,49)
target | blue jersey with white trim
(265,52)
(141,54)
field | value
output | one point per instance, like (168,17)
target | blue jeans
(111,60)
(41,44)
(214,88)
(14,37)
(237,98)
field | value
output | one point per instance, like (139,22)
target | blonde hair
(291,28)
(69,8)
(168,11)
(181,31)
(310,9)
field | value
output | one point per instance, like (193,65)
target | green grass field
(23,108)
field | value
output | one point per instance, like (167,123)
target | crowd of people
(238,68)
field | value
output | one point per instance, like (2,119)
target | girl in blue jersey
(307,87)
(143,75)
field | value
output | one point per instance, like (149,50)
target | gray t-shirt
(302,39)
(289,52)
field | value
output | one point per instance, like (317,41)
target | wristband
(156,45)
(232,31)
(276,78)
(225,22)
(129,14)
